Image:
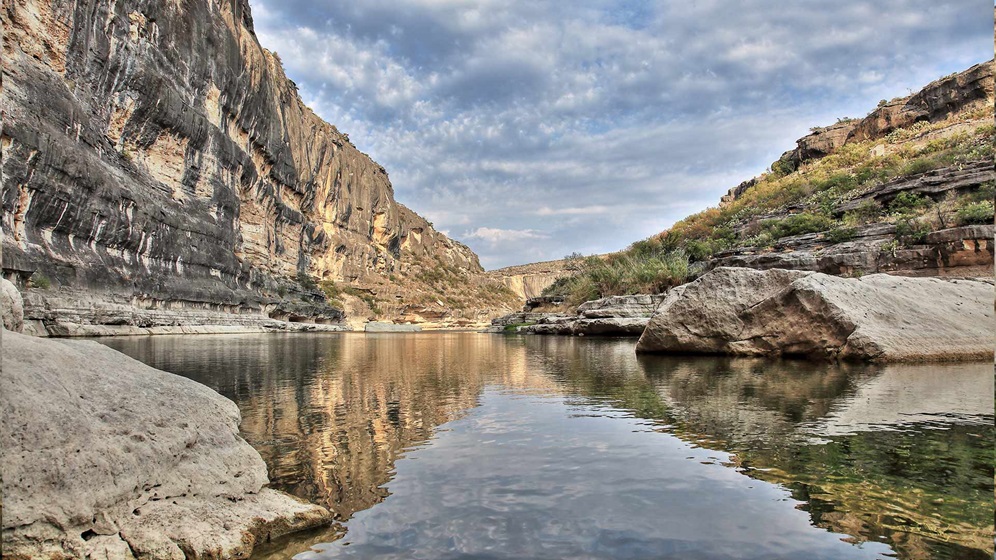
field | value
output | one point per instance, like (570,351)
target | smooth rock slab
(101,451)
(778,312)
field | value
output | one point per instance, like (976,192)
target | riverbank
(777,312)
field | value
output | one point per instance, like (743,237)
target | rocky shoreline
(790,313)
(103,468)
(610,316)
(106,458)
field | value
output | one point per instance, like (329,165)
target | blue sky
(531,129)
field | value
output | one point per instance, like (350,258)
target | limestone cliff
(936,102)
(155,152)
(903,190)
(528,281)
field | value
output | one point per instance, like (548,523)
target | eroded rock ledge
(107,458)
(608,316)
(775,312)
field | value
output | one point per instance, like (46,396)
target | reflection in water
(576,447)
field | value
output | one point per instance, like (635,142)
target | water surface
(462,445)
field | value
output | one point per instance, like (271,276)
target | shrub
(975,213)
(910,231)
(839,234)
(918,166)
(332,293)
(839,182)
(908,202)
(306,281)
(699,249)
(797,224)
(40,281)
(866,212)
(782,167)
(985,192)
(646,267)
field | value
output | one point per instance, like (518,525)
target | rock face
(173,161)
(933,103)
(609,316)
(107,458)
(528,281)
(958,252)
(879,317)
(640,305)
(11,306)
(67,312)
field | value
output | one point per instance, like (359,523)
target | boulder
(11,306)
(778,312)
(105,457)
(704,315)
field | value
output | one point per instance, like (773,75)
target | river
(466,445)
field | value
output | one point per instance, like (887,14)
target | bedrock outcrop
(155,151)
(608,316)
(107,458)
(934,102)
(879,317)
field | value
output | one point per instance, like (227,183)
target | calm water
(462,445)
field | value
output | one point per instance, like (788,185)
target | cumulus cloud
(592,126)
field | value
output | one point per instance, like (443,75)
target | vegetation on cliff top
(784,203)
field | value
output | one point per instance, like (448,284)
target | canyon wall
(528,281)
(155,154)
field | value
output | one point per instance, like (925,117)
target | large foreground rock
(107,458)
(11,306)
(779,312)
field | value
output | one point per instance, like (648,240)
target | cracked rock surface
(105,457)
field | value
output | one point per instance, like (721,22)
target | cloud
(594,126)
(496,235)
(572,211)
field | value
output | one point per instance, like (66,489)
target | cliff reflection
(331,414)
(331,423)
(897,454)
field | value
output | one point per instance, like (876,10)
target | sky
(530,130)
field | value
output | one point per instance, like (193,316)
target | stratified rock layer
(105,457)
(155,151)
(780,312)
(609,316)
